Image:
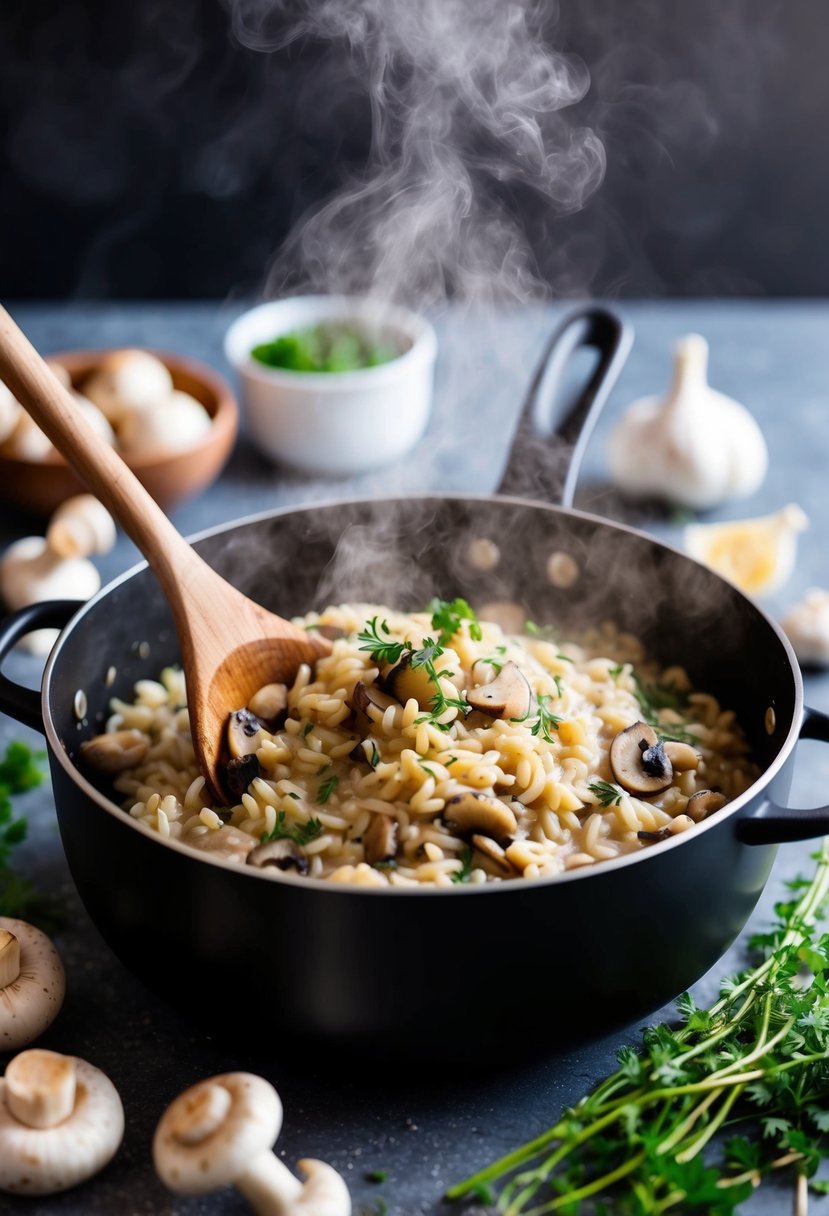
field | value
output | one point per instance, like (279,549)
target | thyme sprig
(643,1142)
(300,833)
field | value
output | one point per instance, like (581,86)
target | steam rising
(468,105)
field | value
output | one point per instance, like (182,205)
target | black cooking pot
(511,963)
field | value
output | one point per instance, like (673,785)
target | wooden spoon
(230,646)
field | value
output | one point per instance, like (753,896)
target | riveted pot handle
(773,824)
(15,700)
(547,452)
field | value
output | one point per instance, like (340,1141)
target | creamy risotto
(432,748)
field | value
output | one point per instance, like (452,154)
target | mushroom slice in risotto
(639,762)
(470,812)
(507,696)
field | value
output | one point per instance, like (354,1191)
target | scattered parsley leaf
(465,872)
(447,616)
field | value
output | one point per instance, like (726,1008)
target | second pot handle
(533,470)
(773,824)
(16,700)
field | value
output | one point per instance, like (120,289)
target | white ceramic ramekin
(335,422)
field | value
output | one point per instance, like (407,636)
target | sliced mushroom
(244,733)
(239,772)
(639,762)
(507,696)
(380,839)
(704,803)
(269,703)
(407,680)
(682,756)
(116,751)
(368,696)
(279,854)
(654,837)
(468,812)
(494,854)
(227,842)
(332,632)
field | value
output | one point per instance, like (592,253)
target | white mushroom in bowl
(220,1132)
(127,380)
(32,983)
(171,425)
(61,1121)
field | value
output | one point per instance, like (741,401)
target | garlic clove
(807,626)
(757,555)
(694,447)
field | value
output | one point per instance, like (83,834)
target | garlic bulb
(807,627)
(694,447)
(757,555)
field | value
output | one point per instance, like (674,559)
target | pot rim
(350,890)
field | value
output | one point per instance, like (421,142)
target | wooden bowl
(41,485)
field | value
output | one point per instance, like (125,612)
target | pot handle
(16,700)
(531,469)
(773,824)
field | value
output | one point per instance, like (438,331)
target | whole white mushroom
(28,442)
(81,526)
(127,380)
(32,983)
(61,1121)
(171,425)
(9,412)
(220,1132)
(30,572)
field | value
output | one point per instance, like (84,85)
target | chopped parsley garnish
(327,788)
(374,756)
(615,671)
(447,616)
(465,872)
(324,348)
(307,728)
(300,833)
(377,1175)
(607,794)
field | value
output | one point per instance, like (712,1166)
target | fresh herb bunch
(641,1143)
(300,833)
(21,770)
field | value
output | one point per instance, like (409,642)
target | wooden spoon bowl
(230,646)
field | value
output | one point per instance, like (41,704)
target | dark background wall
(147,152)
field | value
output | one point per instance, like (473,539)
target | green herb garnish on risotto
(300,833)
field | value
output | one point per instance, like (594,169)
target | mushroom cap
(245,1127)
(43,1161)
(638,761)
(127,379)
(172,425)
(31,1002)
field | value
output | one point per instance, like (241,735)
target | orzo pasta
(425,752)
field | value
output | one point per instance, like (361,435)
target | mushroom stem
(269,1186)
(9,958)
(40,1088)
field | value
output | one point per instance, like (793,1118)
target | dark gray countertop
(426,1130)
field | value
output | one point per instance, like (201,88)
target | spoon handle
(108,477)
